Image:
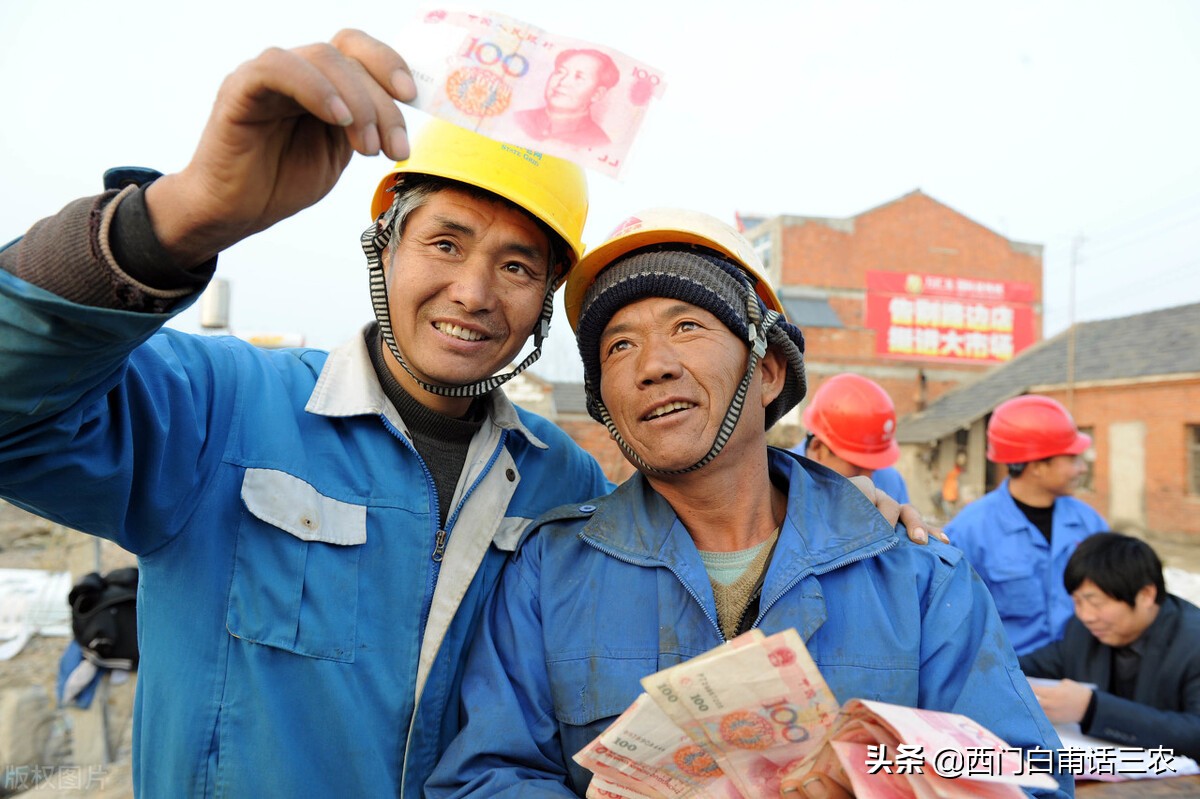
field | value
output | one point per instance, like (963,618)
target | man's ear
(772,370)
(1147,595)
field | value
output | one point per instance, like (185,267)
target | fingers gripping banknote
(520,84)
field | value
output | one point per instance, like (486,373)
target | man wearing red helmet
(851,425)
(1020,535)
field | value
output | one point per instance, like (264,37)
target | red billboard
(947,318)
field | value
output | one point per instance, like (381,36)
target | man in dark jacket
(1139,646)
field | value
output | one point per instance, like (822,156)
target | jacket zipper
(825,569)
(440,540)
(442,536)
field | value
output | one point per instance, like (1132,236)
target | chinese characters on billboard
(946,318)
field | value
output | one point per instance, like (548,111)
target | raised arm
(283,128)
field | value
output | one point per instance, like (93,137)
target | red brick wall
(593,436)
(912,234)
(1166,409)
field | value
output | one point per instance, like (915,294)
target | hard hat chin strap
(374,242)
(759,325)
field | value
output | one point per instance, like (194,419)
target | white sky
(1042,120)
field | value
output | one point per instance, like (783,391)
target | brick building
(825,269)
(1131,383)
(565,405)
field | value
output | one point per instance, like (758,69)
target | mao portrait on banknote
(580,80)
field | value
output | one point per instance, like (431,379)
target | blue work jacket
(302,615)
(1023,571)
(603,594)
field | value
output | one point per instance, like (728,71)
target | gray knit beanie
(697,276)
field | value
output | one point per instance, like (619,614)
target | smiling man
(317,532)
(1136,644)
(688,362)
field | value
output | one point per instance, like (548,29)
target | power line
(1142,281)
(1093,254)
(1133,225)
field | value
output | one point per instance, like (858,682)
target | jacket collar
(1011,519)
(829,522)
(348,386)
(1162,630)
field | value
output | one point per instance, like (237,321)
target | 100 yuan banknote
(519,84)
(760,708)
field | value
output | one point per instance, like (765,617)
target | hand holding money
(754,719)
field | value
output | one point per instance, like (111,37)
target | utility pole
(1076,245)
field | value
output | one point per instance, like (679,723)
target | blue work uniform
(302,615)
(1023,571)
(599,596)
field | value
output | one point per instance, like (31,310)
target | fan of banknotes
(735,721)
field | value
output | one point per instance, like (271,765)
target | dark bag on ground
(104,618)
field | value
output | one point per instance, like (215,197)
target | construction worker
(1020,535)
(316,531)
(851,424)
(688,361)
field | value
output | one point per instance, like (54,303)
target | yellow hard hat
(549,188)
(666,226)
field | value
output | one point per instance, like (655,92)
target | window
(1193,458)
(762,248)
(1086,483)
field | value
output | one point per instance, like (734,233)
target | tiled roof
(569,398)
(1144,345)
(810,312)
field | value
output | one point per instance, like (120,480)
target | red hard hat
(855,418)
(1032,428)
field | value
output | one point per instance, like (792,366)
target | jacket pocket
(1017,596)
(589,689)
(295,579)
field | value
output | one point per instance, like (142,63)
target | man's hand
(1065,702)
(918,529)
(813,786)
(282,129)
(822,778)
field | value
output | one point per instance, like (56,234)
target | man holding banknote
(688,361)
(316,532)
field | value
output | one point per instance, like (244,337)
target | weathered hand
(814,786)
(918,529)
(282,130)
(820,778)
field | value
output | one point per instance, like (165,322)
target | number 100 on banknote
(520,84)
